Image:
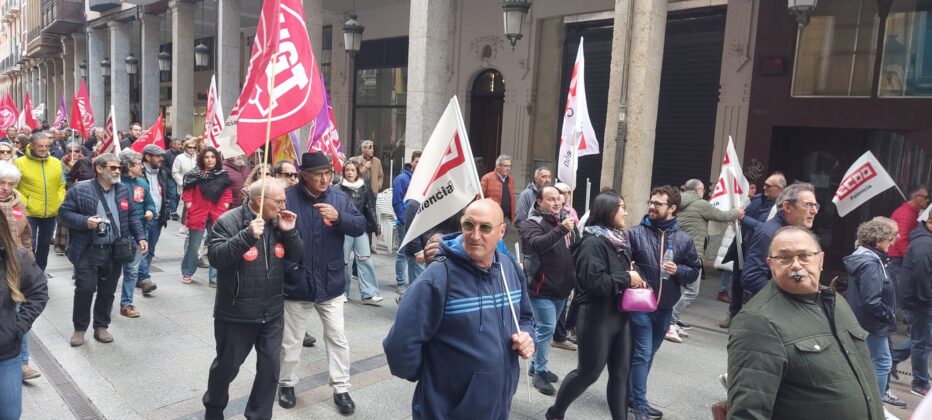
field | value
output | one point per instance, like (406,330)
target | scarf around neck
(212,183)
(353,185)
(616,237)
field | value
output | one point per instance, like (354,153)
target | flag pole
(736,201)
(588,194)
(901,192)
(514,317)
(268,135)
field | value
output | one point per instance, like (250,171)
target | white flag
(213,124)
(864,180)
(446,179)
(578,137)
(731,189)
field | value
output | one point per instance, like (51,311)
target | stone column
(649,22)
(313,15)
(119,79)
(41,91)
(96,51)
(80,56)
(68,71)
(615,121)
(228,53)
(51,89)
(182,115)
(149,68)
(428,62)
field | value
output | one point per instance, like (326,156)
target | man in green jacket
(796,351)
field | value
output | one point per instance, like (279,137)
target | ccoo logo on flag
(853,182)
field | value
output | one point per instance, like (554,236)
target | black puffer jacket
(364,201)
(250,272)
(544,235)
(645,248)
(917,269)
(601,273)
(33,285)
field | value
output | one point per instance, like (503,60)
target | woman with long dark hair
(361,195)
(603,272)
(207,194)
(23,295)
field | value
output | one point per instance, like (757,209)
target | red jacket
(238,177)
(201,208)
(906,218)
(492,188)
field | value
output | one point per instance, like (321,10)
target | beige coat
(372,171)
(15,213)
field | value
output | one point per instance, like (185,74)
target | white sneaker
(681,332)
(889,416)
(673,336)
(183,230)
(374,301)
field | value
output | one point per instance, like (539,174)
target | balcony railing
(62,17)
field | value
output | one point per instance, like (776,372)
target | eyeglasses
(278,202)
(113,167)
(656,204)
(767,186)
(321,175)
(190,148)
(805,257)
(484,228)
(289,174)
(810,205)
(6,152)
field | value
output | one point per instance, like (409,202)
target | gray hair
(255,189)
(365,143)
(794,229)
(38,136)
(691,185)
(102,160)
(500,160)
(74,145)
(538,171)
(7,145)
(10,171)
(873,231)
(129,157)
(791,193)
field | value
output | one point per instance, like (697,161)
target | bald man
(796,351)
(454,334)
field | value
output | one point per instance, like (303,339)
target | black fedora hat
(315,160)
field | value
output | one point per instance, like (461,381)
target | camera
(103,227)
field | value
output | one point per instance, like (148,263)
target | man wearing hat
(158,176)
(325,216)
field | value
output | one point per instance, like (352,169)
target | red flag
(297,88)
(107,142)
(83,119)
(213,124)
(9,114)
(26,117)
(154,135)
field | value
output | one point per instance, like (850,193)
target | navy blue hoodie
(452,335)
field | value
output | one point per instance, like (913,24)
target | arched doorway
(487,100)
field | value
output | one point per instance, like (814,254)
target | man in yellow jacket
(43,189)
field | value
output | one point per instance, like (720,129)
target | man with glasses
(285,172)
(90,247)
(454,334)
(43,186)
(325,216)
(796,351)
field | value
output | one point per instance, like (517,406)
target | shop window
(380,114)
(906,69)
(835,53)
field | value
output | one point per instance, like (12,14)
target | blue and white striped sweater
(472,304)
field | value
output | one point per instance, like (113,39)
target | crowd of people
(280,239)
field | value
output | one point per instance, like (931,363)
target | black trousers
(604,337)
(559,333)
(234,342)
(94,273)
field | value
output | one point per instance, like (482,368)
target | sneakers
(683,325)
(183,230)
(373,301)
(565,345)
(889,398)
(186,279)
(921,391)
(682,331)
(30,373)
(103,335)
(77,339)
(726,323)
(129,311)
(147,286)
(649,413)
(543,384)
(552,377)
(723,297)
(672,335)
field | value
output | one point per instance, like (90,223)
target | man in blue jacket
(454,334)
(325,217)
(92,235)
(404,263)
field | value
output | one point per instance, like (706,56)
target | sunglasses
(289,174)
(484,228)
(113,167)
(6,152)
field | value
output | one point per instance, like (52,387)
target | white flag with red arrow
(578,137)
(213,124)
(446,179)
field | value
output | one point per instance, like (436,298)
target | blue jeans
(647,330)
(400,259)
(880,356)
(11,388)
(155,231)
(545,321)
(368,286)
(172,195)
(130,277)
(42,231)
(919,354)
(724,282)
(189,262)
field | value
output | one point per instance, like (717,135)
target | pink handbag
(637,300)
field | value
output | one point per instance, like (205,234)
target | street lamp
(83,67)
(801,10)
(132,64)
(201,55)
(105,67)
(514,12)
(352,35)
(165,61)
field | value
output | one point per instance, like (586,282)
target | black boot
(309,340)
(543,385)
(286,397)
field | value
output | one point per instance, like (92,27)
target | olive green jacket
(694,216)
(800,357)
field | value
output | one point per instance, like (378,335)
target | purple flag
(62,115)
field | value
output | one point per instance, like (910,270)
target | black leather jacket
(364,201)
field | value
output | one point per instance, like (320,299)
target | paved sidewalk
(157,366)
